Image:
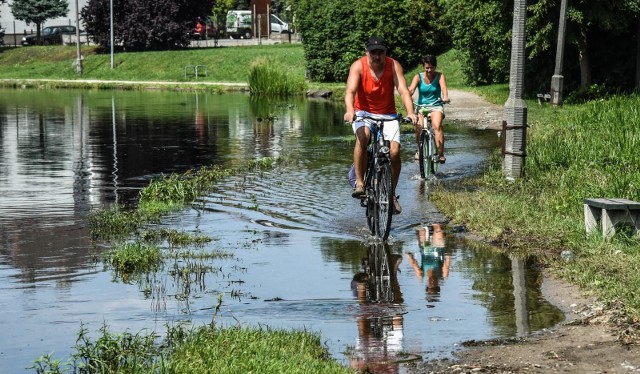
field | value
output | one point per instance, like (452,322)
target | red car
(204,29)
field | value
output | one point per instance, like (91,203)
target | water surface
(296,236)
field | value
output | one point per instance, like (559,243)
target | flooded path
(297,238)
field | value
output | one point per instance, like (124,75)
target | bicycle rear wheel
(384,200)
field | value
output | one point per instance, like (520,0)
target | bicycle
(427,150)
(378,269)
(378,178)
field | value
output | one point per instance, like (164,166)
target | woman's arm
(443,88)
(414,84)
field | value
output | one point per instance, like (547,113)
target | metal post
(515,109)
(557,79)
(111,28)
(79,54)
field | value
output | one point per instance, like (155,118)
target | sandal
(442,159)
(416,156)
(397,209)
(358,192)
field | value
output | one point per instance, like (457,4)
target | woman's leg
(436,122)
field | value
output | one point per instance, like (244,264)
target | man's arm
(353,81)
(401,86)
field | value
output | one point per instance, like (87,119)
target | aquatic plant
(131,258)
(174,237)
(166,194)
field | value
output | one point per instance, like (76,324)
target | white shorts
(391,128)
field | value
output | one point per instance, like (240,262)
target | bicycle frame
(427,150)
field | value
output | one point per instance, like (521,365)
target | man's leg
(396,165)
(418,131)
(360,158)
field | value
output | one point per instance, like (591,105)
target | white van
(279,26)
(239,24)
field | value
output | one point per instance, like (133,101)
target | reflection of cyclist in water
(435,260)
(380,322)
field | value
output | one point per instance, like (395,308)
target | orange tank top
(376,95)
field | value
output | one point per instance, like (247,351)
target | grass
(266,78)
(225,64)
(574,152)
(198,350)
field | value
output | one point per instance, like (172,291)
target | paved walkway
(117,82)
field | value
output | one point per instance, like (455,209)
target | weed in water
(132,258)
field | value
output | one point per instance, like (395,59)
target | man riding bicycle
(432,92)
(370,92)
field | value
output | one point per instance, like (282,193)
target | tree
(38,11)
(144,24)
(219,13)
(1,29)
(334,32)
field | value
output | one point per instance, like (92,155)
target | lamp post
(514,126)
(111,28)
(79,54)
(557,78)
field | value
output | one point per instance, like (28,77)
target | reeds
(267,78)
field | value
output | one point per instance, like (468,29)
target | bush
(144,24)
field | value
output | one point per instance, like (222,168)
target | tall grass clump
(252,350)
(268,78)
(576,152)
(205,349)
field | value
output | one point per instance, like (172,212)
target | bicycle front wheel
(433,154)
(423,155)
(384,200)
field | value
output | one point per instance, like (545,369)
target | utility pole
(514,126)
(79,54)
(557,79)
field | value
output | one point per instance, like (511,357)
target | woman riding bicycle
(432,92)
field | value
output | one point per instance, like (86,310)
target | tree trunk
(638,57)
(38,33)
(585,65)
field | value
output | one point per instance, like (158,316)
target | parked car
(49,35)
(204,29)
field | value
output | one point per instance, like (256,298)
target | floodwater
(297,238)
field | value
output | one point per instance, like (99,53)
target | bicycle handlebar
(397,118)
